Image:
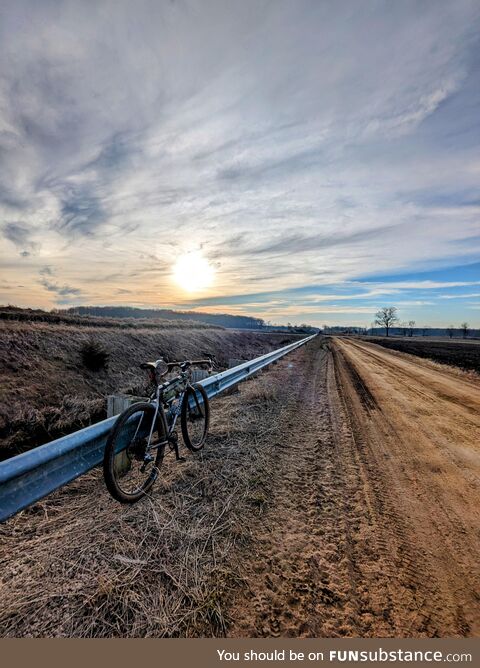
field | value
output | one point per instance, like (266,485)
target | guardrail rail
(32,475)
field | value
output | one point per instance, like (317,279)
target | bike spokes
(134,453)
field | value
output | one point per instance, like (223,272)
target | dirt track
(375,523)
(337,496)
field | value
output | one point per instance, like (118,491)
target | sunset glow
(192,272)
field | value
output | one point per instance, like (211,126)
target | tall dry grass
(47,391)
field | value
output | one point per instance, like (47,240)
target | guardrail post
(117,403)
(199,374)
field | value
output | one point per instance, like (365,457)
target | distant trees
(407,327)
(450,330)
(386,317)
(464,328)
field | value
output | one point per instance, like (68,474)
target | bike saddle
(148,365)
(154,365)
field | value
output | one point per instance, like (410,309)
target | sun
(193,272)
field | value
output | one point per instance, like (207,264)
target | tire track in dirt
(298,583)
(322,565)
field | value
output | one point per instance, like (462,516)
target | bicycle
(136,445)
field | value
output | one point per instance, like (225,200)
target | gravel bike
(136,445)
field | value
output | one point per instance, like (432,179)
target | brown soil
(462,353)
(337,496)
(374,529)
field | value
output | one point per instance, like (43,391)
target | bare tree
(411,325)
(450,330)
(404,328)
(386,317)
(464,328)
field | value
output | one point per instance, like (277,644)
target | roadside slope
(46,391)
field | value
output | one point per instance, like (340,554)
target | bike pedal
(180,460)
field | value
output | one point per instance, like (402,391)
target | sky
(300,161)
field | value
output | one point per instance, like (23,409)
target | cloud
(461,296)
(20,235)
(46,271)
(301,244)
(17,233)
(81,212)
(60,290)
(425,284)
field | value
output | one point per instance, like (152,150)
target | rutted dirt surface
(374,526)
(337,496)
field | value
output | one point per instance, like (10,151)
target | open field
(46,391)
(462,353)
(338,495)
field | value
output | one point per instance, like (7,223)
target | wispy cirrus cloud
(21,235)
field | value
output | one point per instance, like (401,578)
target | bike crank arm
(173,442)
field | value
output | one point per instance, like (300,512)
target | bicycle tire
(111,470)
(187,414)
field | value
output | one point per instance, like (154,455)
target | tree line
(219,319)
(387,317)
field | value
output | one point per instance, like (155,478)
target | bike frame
(175,391)
(163,398)
(169,416)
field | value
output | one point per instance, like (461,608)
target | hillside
(46,391)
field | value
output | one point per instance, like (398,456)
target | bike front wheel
(195,417)
(134,453)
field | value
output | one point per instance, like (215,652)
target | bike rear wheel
(128,475)
(195,417)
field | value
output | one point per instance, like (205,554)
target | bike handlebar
(186,363)
(152,367)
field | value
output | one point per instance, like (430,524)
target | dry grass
(79,564)
(46,391)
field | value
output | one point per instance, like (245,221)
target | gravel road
(374,528)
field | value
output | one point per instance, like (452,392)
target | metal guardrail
(29,477)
